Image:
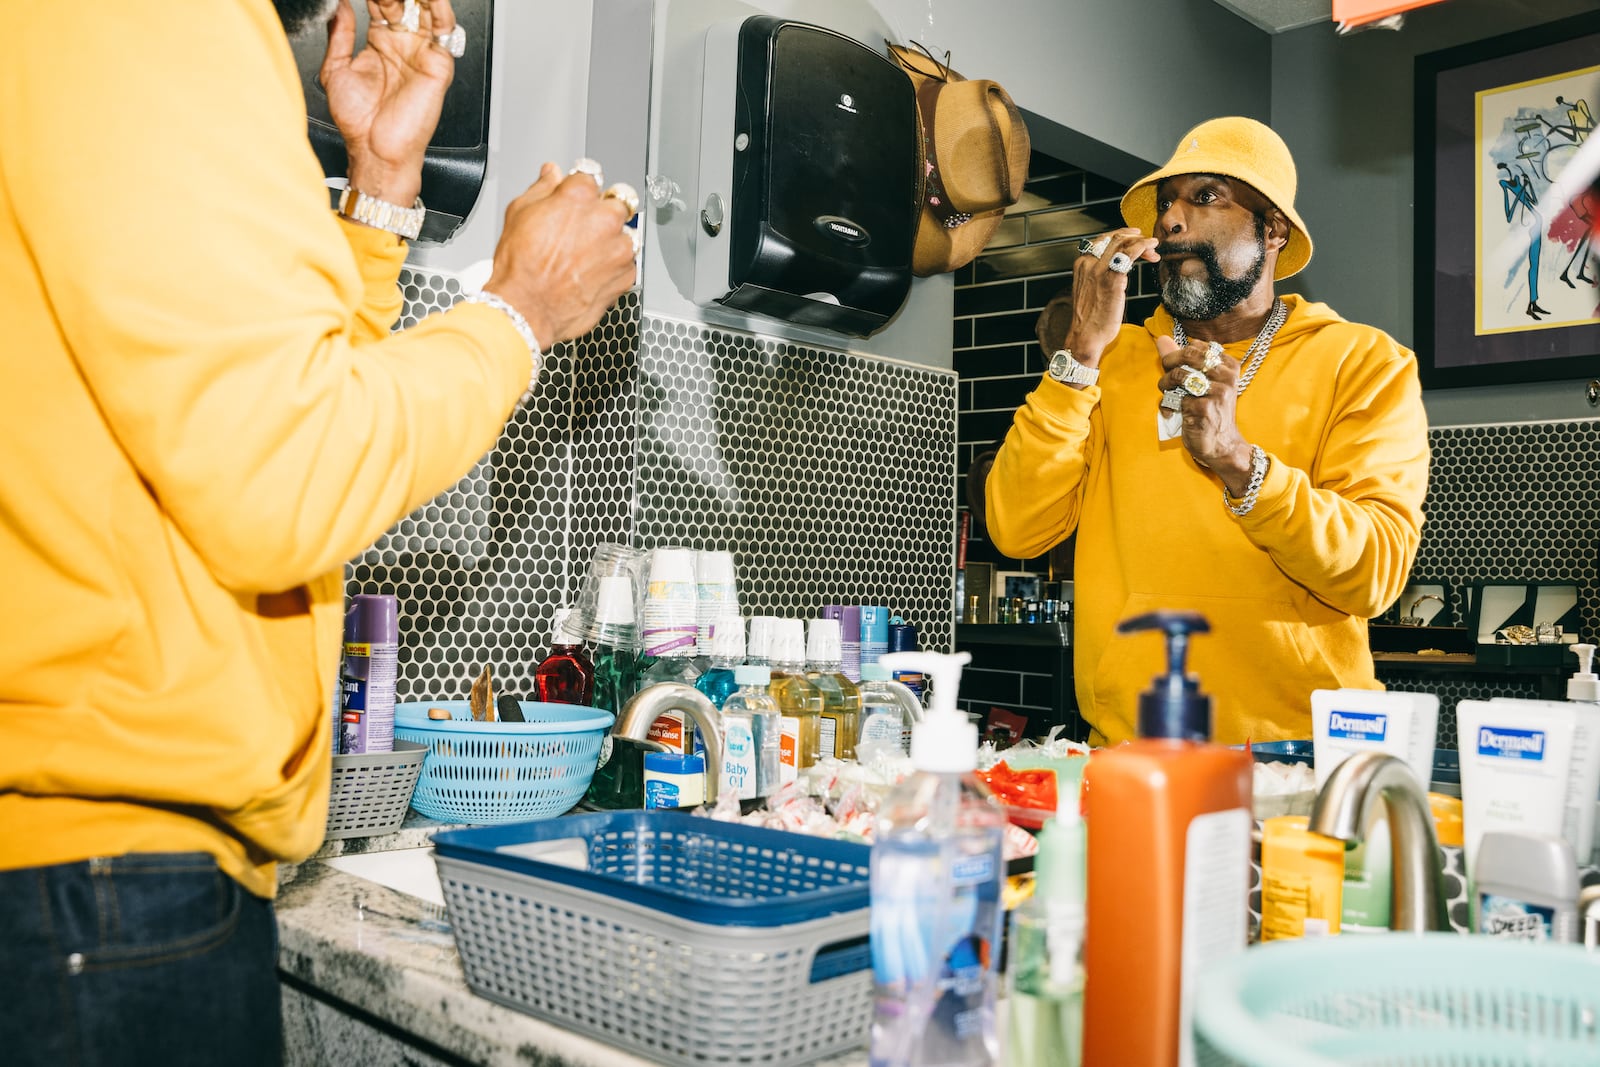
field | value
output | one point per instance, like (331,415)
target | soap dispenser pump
(1584,685)
(1168,818)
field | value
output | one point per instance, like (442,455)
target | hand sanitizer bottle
(935,889)
(1168,819)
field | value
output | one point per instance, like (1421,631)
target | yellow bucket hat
(1235,148)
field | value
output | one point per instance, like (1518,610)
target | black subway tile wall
(997,356)
(1510,503)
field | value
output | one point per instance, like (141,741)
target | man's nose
(1170,222)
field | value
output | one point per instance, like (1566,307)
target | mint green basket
(1401,1000)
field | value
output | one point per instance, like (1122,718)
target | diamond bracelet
(1258,474)
(520,324)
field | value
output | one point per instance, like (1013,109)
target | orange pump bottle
(1168,822)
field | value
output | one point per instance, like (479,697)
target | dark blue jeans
(148,958)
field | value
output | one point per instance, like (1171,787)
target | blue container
(1281,752)
(494,772)
(698,869)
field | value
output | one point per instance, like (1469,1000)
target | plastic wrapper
(1282,788)
(1027,777)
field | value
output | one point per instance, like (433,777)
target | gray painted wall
(1121,80)
(1345,106)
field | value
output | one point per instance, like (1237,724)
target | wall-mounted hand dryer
(810,150)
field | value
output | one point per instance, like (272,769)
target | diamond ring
(454,42)
(585,165)
(1091,247)
(1195,383)
(626,193)
(1120,262)
(1213,357)
(1172,399)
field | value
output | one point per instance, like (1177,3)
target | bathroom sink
(406,870)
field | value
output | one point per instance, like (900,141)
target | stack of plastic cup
(607,608)
(718,593)
(671,603)
(614,619)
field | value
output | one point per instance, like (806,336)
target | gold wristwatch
(380,214)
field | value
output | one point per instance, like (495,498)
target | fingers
(341,40)
(442,15)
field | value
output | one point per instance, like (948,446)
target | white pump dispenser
(944,742)
(1584,685)
(937,872)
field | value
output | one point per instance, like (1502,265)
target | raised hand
(564,256)
(386,98)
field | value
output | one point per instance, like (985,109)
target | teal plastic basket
(493,772)
(1401,1000)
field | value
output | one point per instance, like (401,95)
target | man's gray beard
(1189,299)
(300,16)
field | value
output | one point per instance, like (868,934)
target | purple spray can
(371,661)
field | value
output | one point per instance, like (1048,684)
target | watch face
(1061,366)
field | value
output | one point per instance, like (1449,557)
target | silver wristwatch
(1065,369)
(380,214)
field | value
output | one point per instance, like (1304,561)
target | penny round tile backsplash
(829,475)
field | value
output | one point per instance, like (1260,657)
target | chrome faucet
(1342,810)
(653,701)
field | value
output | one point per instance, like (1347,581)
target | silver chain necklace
(1258,348)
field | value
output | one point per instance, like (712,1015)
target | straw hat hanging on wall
(977,152)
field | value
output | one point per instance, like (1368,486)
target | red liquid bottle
(566,675)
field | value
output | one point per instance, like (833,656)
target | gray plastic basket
(371,791)
(672,990)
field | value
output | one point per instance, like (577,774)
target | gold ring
(626,193)
(1195,383)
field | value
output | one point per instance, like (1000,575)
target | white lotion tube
(1583,768)
(1347,721)
(1515,764)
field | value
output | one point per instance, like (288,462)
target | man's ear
(1278,228)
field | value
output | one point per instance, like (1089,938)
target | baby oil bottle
(1168,821)
(841,699)
(799,702)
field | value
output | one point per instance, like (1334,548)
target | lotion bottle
(1168,819)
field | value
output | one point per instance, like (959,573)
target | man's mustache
(1198,249)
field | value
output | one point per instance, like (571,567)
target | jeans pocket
(159,907)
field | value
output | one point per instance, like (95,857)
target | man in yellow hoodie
(1250,457)
(205,415)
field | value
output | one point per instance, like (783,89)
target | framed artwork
(1507,275)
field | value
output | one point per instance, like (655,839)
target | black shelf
(1042,634)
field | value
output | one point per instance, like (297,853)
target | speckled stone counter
(371,976)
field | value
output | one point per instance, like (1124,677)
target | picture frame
(1024,584)
(1507,281)
(1499,604)
(1428,601)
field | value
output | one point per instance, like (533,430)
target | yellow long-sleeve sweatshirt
(204,418)
(1287,588)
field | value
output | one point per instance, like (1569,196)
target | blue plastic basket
(701,870)
(1431,1000)
(686,940)
(496,772)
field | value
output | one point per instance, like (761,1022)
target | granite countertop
(393,956)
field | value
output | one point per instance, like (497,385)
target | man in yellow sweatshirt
(205,416)
(1253,458)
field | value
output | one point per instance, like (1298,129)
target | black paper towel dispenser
(458,154)
(809,157)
